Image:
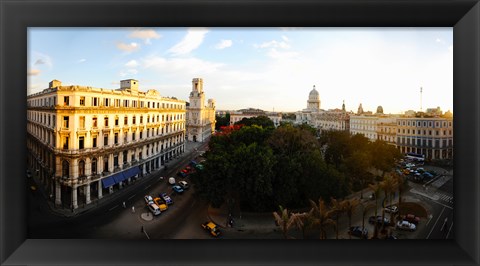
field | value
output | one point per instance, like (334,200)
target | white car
(405,225)
(148,199)
(183,184)
(391,209)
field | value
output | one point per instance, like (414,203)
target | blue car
(178,189)
(166,198)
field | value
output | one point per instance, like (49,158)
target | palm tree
(350,206)
(388,185)
(338,208)
(284,219)
(303,221)
(376,191)
(321,216)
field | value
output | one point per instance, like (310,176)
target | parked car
(171,180)
(411,218)
(358,232)
(212,228)
(378,219)
(148,199)
(405,225)
(178,189)
(154,209)
(166,198)
(183,184)
(161,204)
(181,174)
(391,209)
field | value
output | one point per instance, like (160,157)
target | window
(125,103)
(65,121)
(106,121)
(105,140)
(94,166)
(141,134)
(115,160)
(65,143)
(429,132)
(105,164)
(437,132)
(141,119)
(133,135)
(125,156)
(116,121)
(116,138)
(82,122)
(82,101)
(125,120)
(117,102)
(65,169)
(94,122)
(95,101)
(81,143)
(81,168)
(66,100)
(106,101)
(125,134)
(134,120)
(94,142)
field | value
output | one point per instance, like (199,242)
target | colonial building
(430,136)
(200,117)
(305,116)
(335,119)
(373,126)
(87,142)
(236,116)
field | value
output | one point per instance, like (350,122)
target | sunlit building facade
(200,117)
(85,142)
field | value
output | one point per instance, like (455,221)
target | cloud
(273,44)
(33,72)
(275,54)
(82,60)
(145,34)
(223,44)
(130,47)
(190,42)
(450,48)
(193,66)
(285,38)
(132,63)
(42,59)
(128,72)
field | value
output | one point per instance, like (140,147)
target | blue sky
(266,68)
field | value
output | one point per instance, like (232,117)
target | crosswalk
(441,181)
(445,197)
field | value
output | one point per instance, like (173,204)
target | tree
(384,156)
(222,121)
(284,219)
(303,221)
(261,120)
(338,208)
(388,185)
(350,206)
(376,192)
(321,216)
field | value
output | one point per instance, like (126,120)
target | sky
(272,69)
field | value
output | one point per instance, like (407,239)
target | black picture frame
(17,16)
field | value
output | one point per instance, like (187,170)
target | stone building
(200,117)
(238,115)
(87,142)
(305,116)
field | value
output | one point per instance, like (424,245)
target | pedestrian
(133,209)
(124,206)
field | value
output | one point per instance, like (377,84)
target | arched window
(81,168)
(65,169)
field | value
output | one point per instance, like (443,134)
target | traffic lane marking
(433,227)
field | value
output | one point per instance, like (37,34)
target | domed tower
(379,109)
(313,102)
(360,110)
(343,106)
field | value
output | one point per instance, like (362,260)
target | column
(58,193)
(87,194)
(100,189)
(74,197)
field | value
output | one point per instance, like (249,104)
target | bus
(415,156)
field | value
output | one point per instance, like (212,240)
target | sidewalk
(191,148)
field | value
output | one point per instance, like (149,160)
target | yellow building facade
(86,142)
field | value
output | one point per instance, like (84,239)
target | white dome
(314,95)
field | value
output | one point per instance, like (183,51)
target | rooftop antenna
(421,91)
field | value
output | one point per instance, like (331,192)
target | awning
(108,182)
(131,172)
(118,177)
